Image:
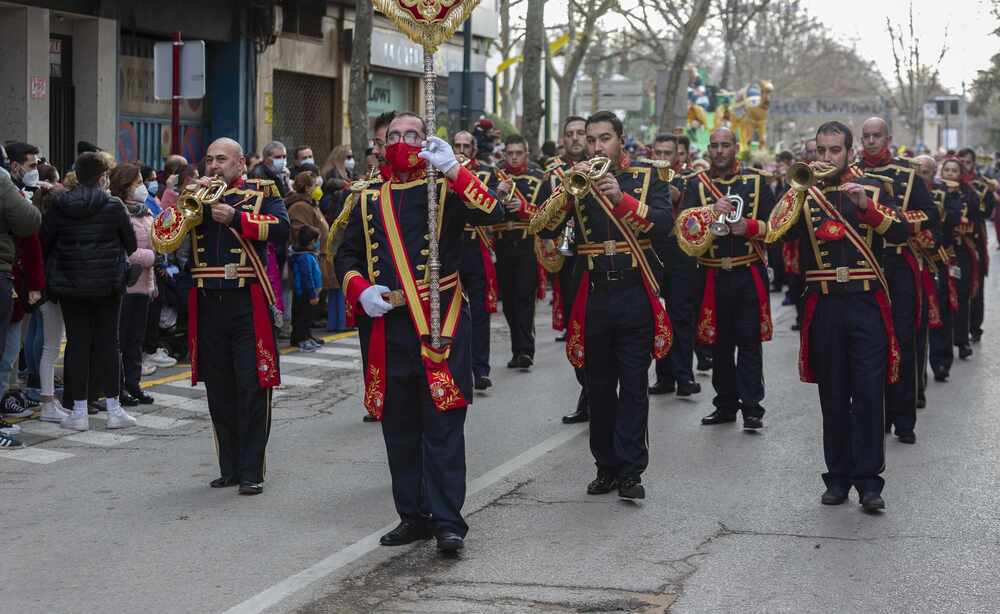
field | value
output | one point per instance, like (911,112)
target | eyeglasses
(411,137)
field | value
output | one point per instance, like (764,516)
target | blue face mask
(279,164)
(153,187)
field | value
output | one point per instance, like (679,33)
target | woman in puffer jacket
(127,185)
(86,237)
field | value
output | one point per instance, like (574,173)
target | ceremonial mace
(429,23)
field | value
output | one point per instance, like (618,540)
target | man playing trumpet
(618,321)
(734,202)
(847,344)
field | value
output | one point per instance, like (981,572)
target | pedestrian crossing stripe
(100,438)
(39,456)
(337,351)
(150,421)
(320,362)
(174,401)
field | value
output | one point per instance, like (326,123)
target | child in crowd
(308,283)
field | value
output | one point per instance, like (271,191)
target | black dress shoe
(448,541)
(719,417)
(142,397)
(576,417)
(704,364)
(406,533)
(752,423)
(686,389)
(834,496)
(631,488)
(796,326)
(223,482)
(482,383)
(940,375)
(888,426)
(976,337)
(251,488)
(369,418)
(523,361)
(921,402)
(910,437)
(872,502)
(964,351)
(661,388)
(127,400)
(512,363)
(604,483)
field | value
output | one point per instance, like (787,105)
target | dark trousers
(474,284)
(91,345)
(517,277)
(302,318)
(901,398)
(6,302)
(426,450)
(923,336)
(776,260)
(151,340)
(227,363)
(680,289)
(738,361)
(977,305)
(132,329)
(618,342)
(964,287)
(796,289)
(848,348)
(941,339)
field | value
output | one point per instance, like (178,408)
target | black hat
(85,146)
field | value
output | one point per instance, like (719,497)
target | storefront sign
(388,93)
(839,107)
(395,51)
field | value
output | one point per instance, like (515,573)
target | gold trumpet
(578,184)
(802,176)
(174,223)
(951,185)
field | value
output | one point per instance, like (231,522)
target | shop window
(304,112)
(303,17)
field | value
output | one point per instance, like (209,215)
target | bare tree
(735,16)
(915,81)
(683,20)
(506,43)
(581,34)
(357,98)
(534,41)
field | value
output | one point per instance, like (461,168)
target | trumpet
(579,184)
(720,227)
(951,185)
(173,224)
(802,176)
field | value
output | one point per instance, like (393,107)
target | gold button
(425,252)
(376,273)
(374,259)
(375,245)
(421,267)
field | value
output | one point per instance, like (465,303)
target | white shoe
(120,420)
(148,368)
(74,422)
(161,358)
(52,411)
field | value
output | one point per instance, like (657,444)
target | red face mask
(403,157)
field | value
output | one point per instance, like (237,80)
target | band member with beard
(618,321)
(847,344)
(950,197)
(230,329)
(574,146)
(478,273)
(903,264)
(735,314)
(985,190)
(684,172)
(419,392)
(680,285)
(517,265)
(790,256)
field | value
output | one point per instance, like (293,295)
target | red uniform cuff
(253,226)
(871,215)
(472,190)
(633,212)
(354,284)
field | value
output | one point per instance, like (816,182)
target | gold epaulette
(552,166)
(266,186)
(336,234)
(758,171)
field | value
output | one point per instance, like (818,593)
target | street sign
(192,70)
(618,95)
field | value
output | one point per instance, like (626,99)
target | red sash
(918,283)
(542,279)
(443,390)
(933,304)
(558,318)
(489,270)
(970,247)
(662,333)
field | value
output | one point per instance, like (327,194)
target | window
(303,17)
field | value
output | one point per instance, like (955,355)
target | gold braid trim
(784,215)
(550,214)
(427,34)
(336,234)
(692,230)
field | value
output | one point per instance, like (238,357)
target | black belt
(615,276)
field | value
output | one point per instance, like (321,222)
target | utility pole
(548,103)
(464,118)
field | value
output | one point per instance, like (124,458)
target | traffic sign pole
(175,101)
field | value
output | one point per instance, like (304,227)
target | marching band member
(903,265)
(419,392)
(517,265)
(618,321)
(847,344)
(735,315)
(232,313)
(478,272)
(680,285)
(985,190)
(967,255)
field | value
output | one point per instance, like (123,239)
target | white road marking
(318,362)
(352,340)
(293,584)
(100,438)
(36,455)
(337,351)
(174,401)
(45,429)
(293,380)
(160,423)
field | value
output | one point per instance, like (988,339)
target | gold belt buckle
(609,248)
(843,275)
(396,298)
(510,225)
(727,264)
(231,270)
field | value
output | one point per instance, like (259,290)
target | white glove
(439,154)
(372,302)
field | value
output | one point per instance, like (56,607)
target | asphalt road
(124,521)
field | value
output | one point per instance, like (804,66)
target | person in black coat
(86,237)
